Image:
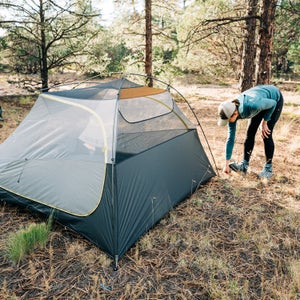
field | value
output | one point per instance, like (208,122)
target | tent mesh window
(147,121)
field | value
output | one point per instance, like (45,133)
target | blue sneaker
(241,168)
(266,172)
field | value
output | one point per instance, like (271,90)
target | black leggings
(252,129)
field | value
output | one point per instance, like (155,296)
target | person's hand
(226,168)
(265,131)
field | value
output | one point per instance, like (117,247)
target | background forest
(201,37)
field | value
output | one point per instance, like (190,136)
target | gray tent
(111,160)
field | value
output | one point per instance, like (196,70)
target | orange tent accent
(139,92)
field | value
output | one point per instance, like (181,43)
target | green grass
(27,100)
(24,241)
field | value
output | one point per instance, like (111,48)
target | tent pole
(114,184)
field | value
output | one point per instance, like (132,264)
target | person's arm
(265,131)
(229,145)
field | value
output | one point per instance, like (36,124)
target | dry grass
(235,238)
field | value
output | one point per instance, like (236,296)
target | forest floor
(234,238)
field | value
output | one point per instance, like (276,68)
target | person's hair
(236,102)
(222,115)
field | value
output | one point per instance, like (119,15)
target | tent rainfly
(108,160)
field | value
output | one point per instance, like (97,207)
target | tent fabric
(109,169)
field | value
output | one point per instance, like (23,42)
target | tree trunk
(247,78)
(43,58)
(148,48)
(266,33)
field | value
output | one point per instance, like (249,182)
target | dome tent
(110,160)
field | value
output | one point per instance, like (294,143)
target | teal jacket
(253,101)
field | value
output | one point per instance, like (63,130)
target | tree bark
(148,47)
(44,64)
(266,33)
(247,77)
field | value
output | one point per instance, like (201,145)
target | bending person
(261,104)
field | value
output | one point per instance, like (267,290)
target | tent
(109,160)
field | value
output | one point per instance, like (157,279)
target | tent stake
(116,265)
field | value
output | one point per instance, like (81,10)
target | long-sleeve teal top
(253,101)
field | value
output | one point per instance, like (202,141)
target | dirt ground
(236,238)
